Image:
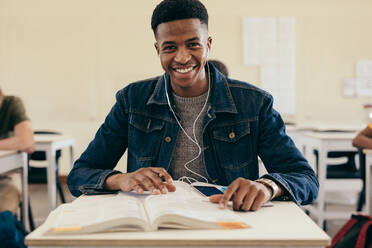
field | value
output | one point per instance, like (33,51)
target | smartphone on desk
(207,190)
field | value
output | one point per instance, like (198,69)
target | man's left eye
(193,44)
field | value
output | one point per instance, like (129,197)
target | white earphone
(194,140)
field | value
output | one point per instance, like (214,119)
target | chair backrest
(343,170)
(350,155)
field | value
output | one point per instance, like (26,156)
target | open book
(182,209)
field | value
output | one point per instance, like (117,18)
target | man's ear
(157,47)
(209,43)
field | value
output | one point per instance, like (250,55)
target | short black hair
(172,10)
(220,66)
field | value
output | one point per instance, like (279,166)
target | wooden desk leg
(51,171)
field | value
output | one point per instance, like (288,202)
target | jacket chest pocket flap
(231,132)
(146,124)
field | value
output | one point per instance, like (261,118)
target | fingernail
(164,191)
(221,205)
(155,191)
(170,180)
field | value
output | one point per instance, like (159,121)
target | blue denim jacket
(239,126)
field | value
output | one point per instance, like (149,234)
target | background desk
(368,153)
(325,142)
(285,224)
(50,144)
(14,161)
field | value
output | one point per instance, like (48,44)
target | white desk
(284,224)
(50,144)
(325,142)
(368,153)
(13,161)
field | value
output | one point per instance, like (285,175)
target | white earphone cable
(193,129)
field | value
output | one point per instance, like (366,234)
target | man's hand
(153,179)
(245,194)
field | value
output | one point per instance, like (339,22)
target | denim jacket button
(168,139)
(231,135)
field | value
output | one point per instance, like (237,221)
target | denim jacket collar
(221,99)
(158,95)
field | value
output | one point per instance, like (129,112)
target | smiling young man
(183,47)
(196,124)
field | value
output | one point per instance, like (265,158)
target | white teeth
(184,70)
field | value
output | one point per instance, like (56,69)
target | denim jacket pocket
(145,135)
(146,124)
(233,146)
(231,133)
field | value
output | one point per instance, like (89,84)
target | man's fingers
(241,195)
(151,179)
(154,179)
(228,194)
(145,182)
(127,182)
(163,181)
(162,173)
(249,198)
(260,199)
(215,198)
(138,189)
(171,187)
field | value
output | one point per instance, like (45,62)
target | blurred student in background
(364,139)
(15,134)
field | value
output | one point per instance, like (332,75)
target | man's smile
(184,69)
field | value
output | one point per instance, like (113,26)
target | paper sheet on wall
(269,42)
(364,78)
(362,84)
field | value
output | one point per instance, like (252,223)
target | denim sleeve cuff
(287,192)
(98,188)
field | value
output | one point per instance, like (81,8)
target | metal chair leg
(30,217)
(60,190)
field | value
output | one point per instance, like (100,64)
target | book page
(97,211)
(197,208)
(184,209)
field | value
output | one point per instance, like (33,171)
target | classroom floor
(40,207)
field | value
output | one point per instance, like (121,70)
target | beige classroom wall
(68,58)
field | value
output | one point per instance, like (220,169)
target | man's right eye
(169,48)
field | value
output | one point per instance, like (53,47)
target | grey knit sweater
(188,108)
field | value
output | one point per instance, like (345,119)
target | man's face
(183,46)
